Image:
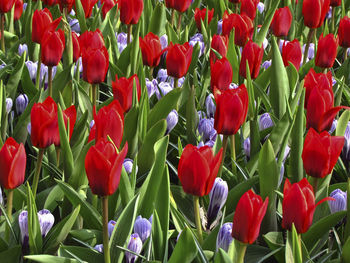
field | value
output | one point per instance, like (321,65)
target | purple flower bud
(143,228)
(179,83)
(171,121)
(333,127)
(46,221)
(91,125)
(164,41)
(151,87)
(233,86)
(265,43)
(1,198)
(218,196)
(99,248)
(32,68)
(2,66)
(261,7)
(281,44)
(122,40)
(135,245)
(80,63)
(246,147)
(265,121)
(345,154)
(162,75)
(210,106)
(21,103)
(205,127)
(340,203)
(128,163)
(311,51)
(198,38)
(23,226)
(266,64)
(163,89)
(22,48)
(24,6)
(219,27)
(111,226)
(329,14)
(9,104)
(29,128)
(74,24)
(224,237)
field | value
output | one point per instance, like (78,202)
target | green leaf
(346,251)
(185,249)
(11,255)
(158,20)
(60,82)
(50,259)
(222,257)
(191,117)
(342,123)
(81,16)
(83,253)
(130,130)
(125,190)
(15,78)
(157,237)
(232,57)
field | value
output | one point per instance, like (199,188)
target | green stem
(233,153)
(151,73)
(309,39)
(347,226)
(179,23)
(172,17)
(105,229)
(129,33)
(239,252)
(9,212)
(37,82)
(94,94)
(315,184)
(2,26)
(176,82)
(224,147)
(345,53)
(37,171)
(333,20)
(50,80)
(58,154)
(197,218)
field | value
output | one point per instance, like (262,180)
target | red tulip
(291,53)
(334,3)
(103,166)
(248,216)
(68,4)
(178,59)
(179,5)
(18,9)
(231,110)
(52,47)
(87,6)
(12,164)
(199,15)
(281,22)
(130,11)
(91,40)
(76,46)
(321,152)
(326,51)
(151,50)
(221,74)
(220,44)
(123,90)
(248,8)
(42,22)
(253,54)
(107,5)
(314,12)
(242,24)
(109,121)
(198,168)
(298,205)
(235,1)
(344,28)
(50,2)
(68,114)
(6,5)
(95,65)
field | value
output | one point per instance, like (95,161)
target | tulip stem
(2,22)
(314,184)
(179,23)
(197,218)
(58,151)
(224,147)
(233,153)
(37,81)
(176,82)
(50,80)
(9,212)
(172,16)
(239,251)
(151,73)
(345,53)
(347,226)
(37,171)
(129,33)
(94,95)
(105,229)
(333,20)
(308,41)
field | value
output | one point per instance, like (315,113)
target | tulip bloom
(107,5)
(221,74)
(109,121)
(334,3)
(76,46)
(178,59)
(91,40)
(52,47)
(103,166)
(130,11)
(231,110)
(326,51)
(253,54)
(248,8)
(199,15)
(220,44)
(42,22)
(321,152)
(68,4)
(314,12)
(6,5)
(198,168)
(344,28)
(179,5)
(298,205)
(151,49)
(18,9)
(248,216)
(95,65)
(87,6)
(123,90)
(12,164)
(242,24)
(291,53)
(281,22)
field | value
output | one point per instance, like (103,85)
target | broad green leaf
(83,253)
(158,20)
(346,251)
(81,16)
(185,249)
(60,81)
(232,57)
(15,78)
(342,123)
(50,259)
(222,257)
(11,255)
(191,117)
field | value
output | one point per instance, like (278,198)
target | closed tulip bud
(326,51)
(76,46)
(248,216)
(87,6)
(314,12)
(199,15)
(52,47)
(107,5)
(171,121)
(224,238)
(218,196)
(9,104)
(42,22)
(179,5)
(95,65)
(221,74)
(218,43)
(135,245)
(21,103)
(178,59)
(231,110)
(281,22)
(143,228)
(298,205)
(265,121)
(12,164)
(210,106)
(111,226)
(198,169)
(252,54)
(91,40)
(334,3)
(50,2)
(340,201)
(123,90)
(242,24)
(321,152)
(291,53)
(18,9)
(130,11)
(151,49)
(248,7)
(6,5)
(46,221)
(68,4)
(344,27)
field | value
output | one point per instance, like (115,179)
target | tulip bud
(87,6)
(76,47)
(46,221)
(135,245)
(281,22)
(199,15)
(291,53)
(314,12)
(18,9)
(6,6)
(52,47)
(151,50)
(178,59)
(224,237)
(221,74)
(326,51)
(42,23)
(344,27)
(9,104)
(219,43)
(340,201)
(242,24)
(179,5)
(107,5)
(111,226)
(218,196)
(171,121)
(210,106)
(95,64)
(123,90)
(130,11)
(265,121)
(143,228)
(248,8)
(252,54)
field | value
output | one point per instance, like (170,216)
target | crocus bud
(291,53)
(179,5)
(261,7)
(246,147)
(52,47)
(130,11)
(346,148)
(248,216)
(22,48)
(151,49)
(99,248)
(205,128)
(164,41)
(326,51)
(340,201)
(9,104)
(46,221)
(219,29)
(210,106)
(252,54)
(143,228)
(224,237)
(218,43)
(6,5)
(151,87)
(111,226)
(42,22)
(344,27)
(32,69)
(314,12)
(242,24)
(221,74)
(171,120)
(265,121)
(123,90)
(198,169)
(199,15)
(135,245)
(218,196)
(128,164)
(75,26)
(23,226)
(122,41)
(198,39)
(163,89)
(281,22)
(178,59)
(162,75)
(12,164)
(266,64)
(321,152)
